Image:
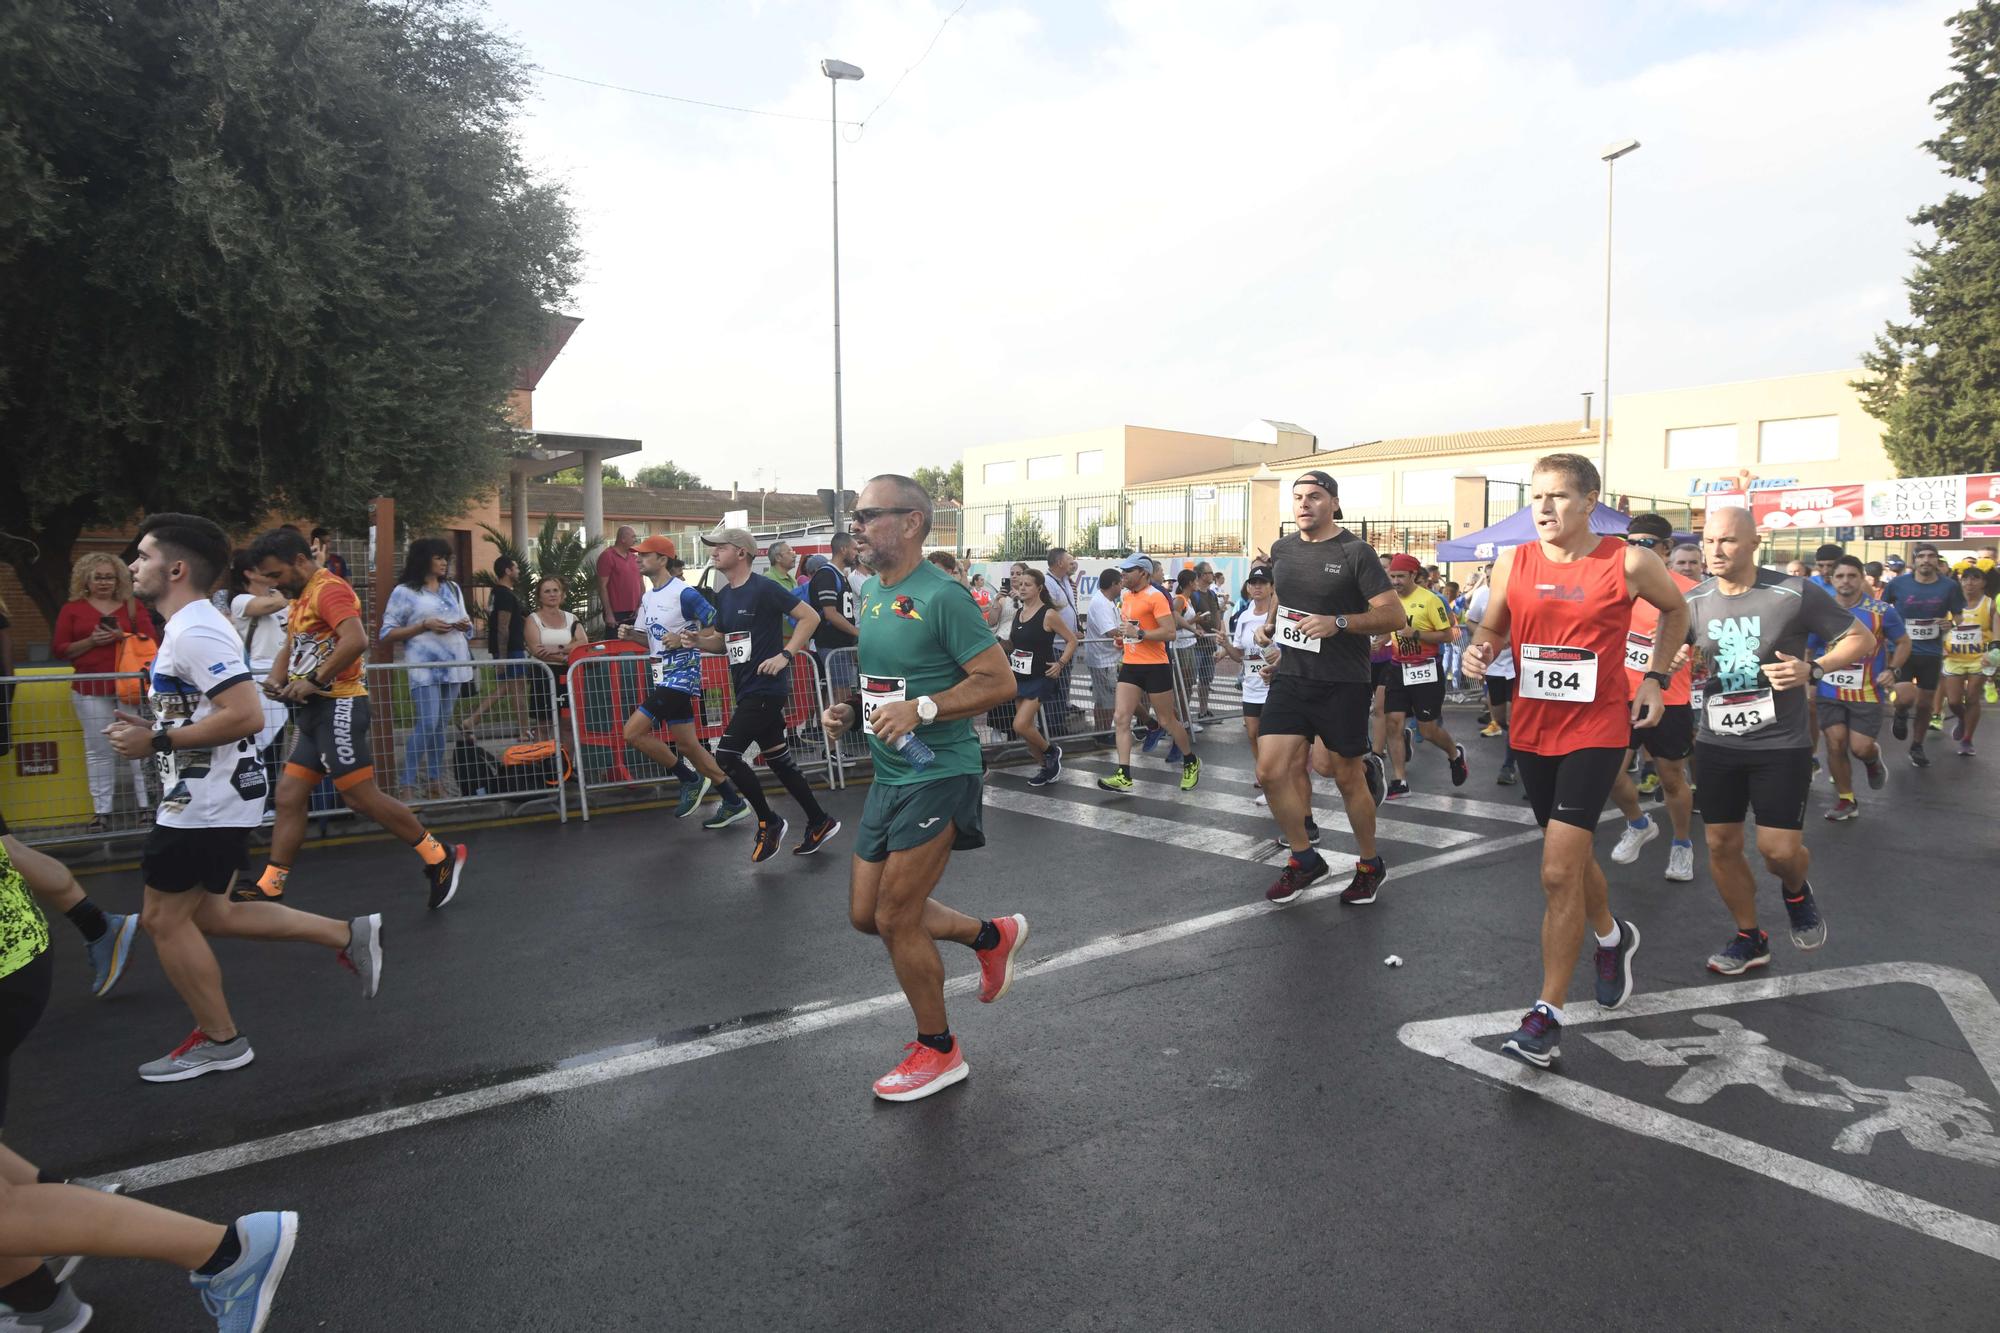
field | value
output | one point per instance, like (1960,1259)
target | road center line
(644,1061)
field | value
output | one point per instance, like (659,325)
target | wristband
(163,741)
(1662,677)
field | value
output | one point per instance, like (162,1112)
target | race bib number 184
(1556,674)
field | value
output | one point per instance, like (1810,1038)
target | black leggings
(760,721)
(24,993)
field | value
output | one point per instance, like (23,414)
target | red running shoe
(922,1073)
(996,965)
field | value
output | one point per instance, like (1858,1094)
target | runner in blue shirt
(1928,598)
(669,614)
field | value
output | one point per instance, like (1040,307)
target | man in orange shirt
(1146,625)
(1672,741)
(320,672)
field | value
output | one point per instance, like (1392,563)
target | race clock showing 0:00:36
(1898,532)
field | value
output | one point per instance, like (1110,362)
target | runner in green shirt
(929,664)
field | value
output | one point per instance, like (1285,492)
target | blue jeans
(425,747)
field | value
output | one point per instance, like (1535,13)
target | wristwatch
(1340,623)
(1662,677)
(926,709)
(1814,672)
(163,741)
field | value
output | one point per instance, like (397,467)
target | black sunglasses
(1648,542)
(863,517)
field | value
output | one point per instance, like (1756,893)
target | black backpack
(473,770)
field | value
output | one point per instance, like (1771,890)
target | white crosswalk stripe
(1228,802)
(1170,832)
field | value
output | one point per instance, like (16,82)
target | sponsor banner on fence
(1836,506)
(1972,500)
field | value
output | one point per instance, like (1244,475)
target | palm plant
(566,555)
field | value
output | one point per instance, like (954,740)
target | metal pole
(839,461)
(1604,413)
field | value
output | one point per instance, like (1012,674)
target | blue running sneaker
(691,797)
(1745,950)
(1808,926)
(1174,755)
(239,1297)
(1537,1040)
(727,814)
(1154,735)
(1614,967)
(111,951)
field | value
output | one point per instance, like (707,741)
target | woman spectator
(552,632)
(100,612)
(428,617)
(257,610)
(1242,646)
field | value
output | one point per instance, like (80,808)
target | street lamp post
(835,71)
(1610,156)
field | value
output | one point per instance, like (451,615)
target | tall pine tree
(1936,385)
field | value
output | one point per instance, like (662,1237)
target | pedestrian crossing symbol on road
(1935,1125)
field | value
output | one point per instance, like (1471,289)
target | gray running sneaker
(67,1315)
(112,950)
(197,1056)
(363,954)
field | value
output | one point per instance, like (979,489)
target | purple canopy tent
(1519,528)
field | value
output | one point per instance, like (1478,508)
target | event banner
(1974,499)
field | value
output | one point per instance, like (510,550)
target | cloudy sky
(1372,219)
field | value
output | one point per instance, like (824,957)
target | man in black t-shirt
(830,592)
(507,641)
(1332,595)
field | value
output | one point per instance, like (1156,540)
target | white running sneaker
(1680,862)
(1632,839)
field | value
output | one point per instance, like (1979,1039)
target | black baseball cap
(1320,479)
(1258,574)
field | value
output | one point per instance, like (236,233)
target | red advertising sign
(1836,506)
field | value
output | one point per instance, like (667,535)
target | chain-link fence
(609,682)
(432,740)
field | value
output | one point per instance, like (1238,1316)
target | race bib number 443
(1739,712)
(1557,674)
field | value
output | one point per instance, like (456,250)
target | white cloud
(1363,223)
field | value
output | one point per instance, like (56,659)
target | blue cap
(1136,560)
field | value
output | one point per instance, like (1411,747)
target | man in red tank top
(1564,602)
(1672,741)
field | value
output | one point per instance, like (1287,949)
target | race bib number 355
(1556,674)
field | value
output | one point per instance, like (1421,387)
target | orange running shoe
(996,965)
(922,1073)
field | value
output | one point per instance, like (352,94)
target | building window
(1089,462)
(1089,516)
(996,523)
(1701,446)
(1050,520)
(1426,488)
(1359,493)
(1798,440)
(999,474)
(1041,469)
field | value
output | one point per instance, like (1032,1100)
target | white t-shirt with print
(1475,611)
(223,787)
(1255,688)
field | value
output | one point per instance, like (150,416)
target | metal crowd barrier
(1071,718)
(608,683)
(60,783)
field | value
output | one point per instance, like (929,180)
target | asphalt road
(622,1083)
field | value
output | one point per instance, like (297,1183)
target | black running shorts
(1499,691)
(178,860)
(1772,784)
(1571,788)
(1150,677)
(758,720)
(1425,703)
(668,707)
(1671,738)
(1923,670)
(1335,712)
(333,740)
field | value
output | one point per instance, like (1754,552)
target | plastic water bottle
(915,753)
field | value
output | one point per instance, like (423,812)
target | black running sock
(1306,857)
(727,791)
(796,785)
(1124,770)
(225,1254)
(1372,862)
(989,935)
(32,1294)
(685,772)
(89,918)
(941,1043)
(746,782)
